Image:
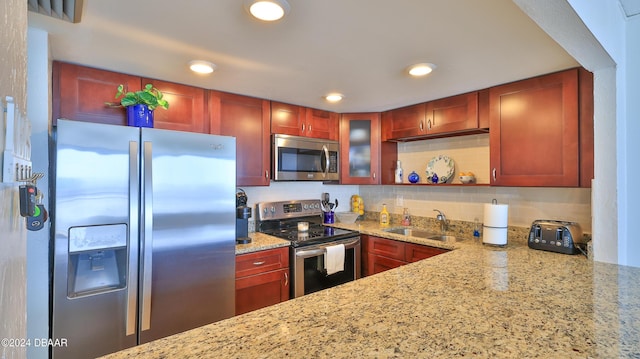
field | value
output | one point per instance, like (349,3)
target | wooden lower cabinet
(377,264)
(262,279)
(416,252)
(381,254)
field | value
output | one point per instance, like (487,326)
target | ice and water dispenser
(97,259)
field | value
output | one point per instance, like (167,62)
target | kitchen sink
(421,233)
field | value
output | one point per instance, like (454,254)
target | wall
(466,203)
(13,82)
(594,33)
(38,90)
(471,153)
(284,191)
(630,248)
(616,112)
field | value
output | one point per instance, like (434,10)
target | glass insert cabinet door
(359,148)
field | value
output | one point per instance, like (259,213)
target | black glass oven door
(315,274)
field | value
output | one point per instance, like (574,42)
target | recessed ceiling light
(422,69)
(267,10)
(334,97)
(202,67)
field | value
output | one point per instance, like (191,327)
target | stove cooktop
(317,234)
(280,219)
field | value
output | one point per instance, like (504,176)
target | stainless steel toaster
(556,236)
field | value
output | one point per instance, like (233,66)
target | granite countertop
(261,242)
(474,301)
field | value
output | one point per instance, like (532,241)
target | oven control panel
(288,209)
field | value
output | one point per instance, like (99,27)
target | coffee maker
(243,213)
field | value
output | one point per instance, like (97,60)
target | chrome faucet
(440,217)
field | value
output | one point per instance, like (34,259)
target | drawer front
(262,261)
(386,247)
(377,264)
(416,252)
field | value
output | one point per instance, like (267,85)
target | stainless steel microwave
(298,158)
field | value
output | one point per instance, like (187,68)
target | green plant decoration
(150,96)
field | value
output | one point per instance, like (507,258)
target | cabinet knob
(309,128)
(493,173)
(266,174)
(286,279)
(421,125)
(429,124)
(258,263)
(374,175)
(302,128)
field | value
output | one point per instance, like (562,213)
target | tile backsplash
(284,191)
(470,154)
(467,203)
(459,203)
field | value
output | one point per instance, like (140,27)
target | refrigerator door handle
(132,287)
(146,236)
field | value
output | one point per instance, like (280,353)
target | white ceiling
(356,47)
(630,7)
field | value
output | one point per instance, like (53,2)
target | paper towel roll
(496,215)
(495,236)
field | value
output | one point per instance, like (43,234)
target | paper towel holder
(495,234)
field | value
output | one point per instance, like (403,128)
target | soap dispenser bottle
(384,216)
(406,217)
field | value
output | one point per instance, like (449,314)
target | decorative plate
(443,167)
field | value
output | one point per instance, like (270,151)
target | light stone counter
(474,301)
(261,242)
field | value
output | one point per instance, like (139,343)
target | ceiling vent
(67,10)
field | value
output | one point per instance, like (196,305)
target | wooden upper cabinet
(405,122)
(452,114)
(247,119)
(362,154)
(79,93)
(585,97)
(295,120)
(286,119)
(321,124)
(534,134)
(186,107)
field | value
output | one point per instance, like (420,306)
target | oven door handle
(321,250)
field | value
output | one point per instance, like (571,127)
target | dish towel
(334,259)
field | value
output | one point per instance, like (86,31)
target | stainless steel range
(313,251)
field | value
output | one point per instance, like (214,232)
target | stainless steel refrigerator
(143,235)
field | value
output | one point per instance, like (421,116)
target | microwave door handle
(326,160)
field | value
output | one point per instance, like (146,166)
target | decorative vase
(139,116)
(413,177)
